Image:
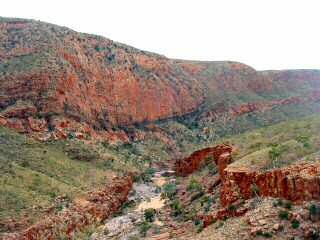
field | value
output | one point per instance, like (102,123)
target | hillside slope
(51,76)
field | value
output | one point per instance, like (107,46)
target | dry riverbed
(125,224)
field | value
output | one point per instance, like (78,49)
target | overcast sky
(266,34)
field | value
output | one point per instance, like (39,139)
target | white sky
(266,34)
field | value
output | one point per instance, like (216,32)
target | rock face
(49,72)
(297,182)
(93,207)
(220,154)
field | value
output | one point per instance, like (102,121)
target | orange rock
(100,84)
(297,182)
(221,155)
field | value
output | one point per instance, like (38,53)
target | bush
(209,203)
(137,178)
(169,187)
(150,171)
(200,229)
(283,215)
(197,222)
(267,235)
(149,214)
(219,224)
(176,206)
(169,190)
(231,207)
(295,223)
(194,185)
(288,204)
(254,189)
(313,209)
(212,168)
(144,227)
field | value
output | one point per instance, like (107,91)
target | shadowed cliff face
(48,71)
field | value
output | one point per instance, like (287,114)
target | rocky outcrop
(94,207)
(222,157)
(297,182)
(220,154)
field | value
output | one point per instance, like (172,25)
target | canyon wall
(49,72)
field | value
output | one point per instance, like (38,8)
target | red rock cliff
(49,72)
(297,182)
(220,154)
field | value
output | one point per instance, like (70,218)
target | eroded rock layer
(49,72)
(297,182)
(94,207)
(220,154)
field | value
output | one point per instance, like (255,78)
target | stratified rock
(49,72)
(297,182)
(220,154)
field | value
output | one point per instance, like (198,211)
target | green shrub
(259,233)
(283,214)
(219,224)
(176,206)
(194,185)
(209,203)
(200,229)
(149,214)
(150,171)
(197,222)
(169,186)
(169,190)
(254,189)
(58,207)
(231,207)
(295,223)
(267,235)
(144,227)
(137,178)
(288,204)
(313,209)
(213,168)
(280,202)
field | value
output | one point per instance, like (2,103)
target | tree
(275,152)
(255,190)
